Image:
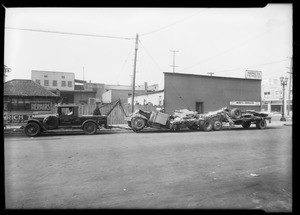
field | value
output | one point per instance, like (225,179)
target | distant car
(67,117)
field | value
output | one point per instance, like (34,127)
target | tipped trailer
(191,119)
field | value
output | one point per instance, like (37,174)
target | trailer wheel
(32,129)
(207,125)
(90,128)
(138,123)
(236,113)
(261,124)
(246,124)
(217,125)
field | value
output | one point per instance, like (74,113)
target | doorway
(199,107)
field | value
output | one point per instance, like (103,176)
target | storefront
(23,98)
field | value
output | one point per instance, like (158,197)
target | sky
(222,41)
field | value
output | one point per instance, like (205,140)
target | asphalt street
(228,169)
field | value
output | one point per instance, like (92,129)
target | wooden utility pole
(134,71)
(173,60)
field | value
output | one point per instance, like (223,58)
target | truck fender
(89,120)
(139,115)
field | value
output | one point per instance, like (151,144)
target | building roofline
(208,76)
(52,71)
(149,93)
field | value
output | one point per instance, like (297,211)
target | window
(19,104)
(267,94)
(38,81)
(46,82)
(63,77)
(54,83)
(92,101)
(69,83)
(45,76)
(63,83)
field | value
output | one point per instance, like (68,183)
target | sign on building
(244,103)
(252,74)
(45,106)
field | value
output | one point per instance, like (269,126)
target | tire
(217,125)
(236,113)
(246,124)
(207,125)
(50,122)
(90,128)
(261,124)
(32,129)
(195,128)
(138,123)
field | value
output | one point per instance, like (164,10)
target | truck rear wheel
(261,124)
(32,129)
(207,125)
(90,128)
(138,123)
(217,125)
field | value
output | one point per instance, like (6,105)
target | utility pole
(211,73)
(134,71)
(289,95)
(173,60)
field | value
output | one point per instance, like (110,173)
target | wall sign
(46,106)
(244,103)
(251,74)
(16,118)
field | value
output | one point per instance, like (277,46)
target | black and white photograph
(148,108)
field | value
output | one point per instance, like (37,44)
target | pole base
(282,119)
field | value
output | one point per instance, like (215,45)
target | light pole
(283,82)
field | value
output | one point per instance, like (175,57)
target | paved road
(236,169)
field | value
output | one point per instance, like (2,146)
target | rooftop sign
(251,74)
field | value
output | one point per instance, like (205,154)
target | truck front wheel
(32,129)
(90,128)
(138,123)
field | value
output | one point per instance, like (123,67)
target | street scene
(148,108)
(160,169)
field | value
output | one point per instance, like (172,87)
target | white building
(154,98)
(272,96)
(63,81)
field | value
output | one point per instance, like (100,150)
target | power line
(233,47)
(174,23)
(70,33)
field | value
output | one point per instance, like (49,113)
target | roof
(208,76)
(150,93)
(24,87)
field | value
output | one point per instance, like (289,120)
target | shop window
(69,83)
(63,83)
(54,83)
(20,104)
(46,82)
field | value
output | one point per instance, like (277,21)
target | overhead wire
(70,33)
(232,48)
(174,23)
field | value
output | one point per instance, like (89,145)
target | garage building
(209,93)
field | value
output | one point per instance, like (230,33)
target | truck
(67,117)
